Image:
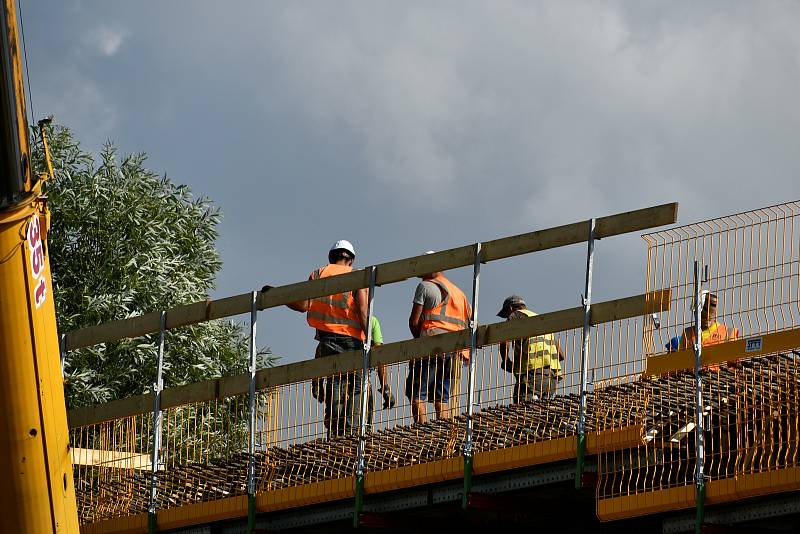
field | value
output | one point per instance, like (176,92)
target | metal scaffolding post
(62,349)
(365,386)
(587,305)
(698,388)
(158,386)
(473,326)
(251,426)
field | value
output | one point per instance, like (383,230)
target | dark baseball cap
(513,300)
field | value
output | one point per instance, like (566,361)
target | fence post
(587,308)
(251,426)
(473,326)
(698,388)
(62,349)
(158,386)
(365,391)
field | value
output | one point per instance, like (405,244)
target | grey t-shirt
(428,294)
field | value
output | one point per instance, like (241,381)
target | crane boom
(37,493)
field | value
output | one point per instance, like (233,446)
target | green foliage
(123,242)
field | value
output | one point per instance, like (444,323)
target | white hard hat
(344,244)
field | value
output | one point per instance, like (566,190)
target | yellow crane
(37,493)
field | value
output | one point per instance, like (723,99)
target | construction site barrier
(744,440)
(201,454)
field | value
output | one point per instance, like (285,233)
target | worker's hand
(388,398)
(266,288)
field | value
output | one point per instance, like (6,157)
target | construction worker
(712,332)
(385,390)
(537,360)
(340,322)
(439,306)
(318,391)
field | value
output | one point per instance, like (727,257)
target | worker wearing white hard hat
(340,322)
(343,245)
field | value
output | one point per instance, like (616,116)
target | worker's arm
(299,306)
(381,367)
(362,301)
(560,352)
(503,350)
(415,320)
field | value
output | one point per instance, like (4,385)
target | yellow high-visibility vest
(542,352)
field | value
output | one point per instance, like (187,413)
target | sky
(410,126)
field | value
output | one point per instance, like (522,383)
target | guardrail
(254,427)
(744,439)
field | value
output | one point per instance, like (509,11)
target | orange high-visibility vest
(715,333)
(337,314)
(451,315)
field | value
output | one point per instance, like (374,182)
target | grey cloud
(384,123)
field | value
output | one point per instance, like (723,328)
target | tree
(123,242)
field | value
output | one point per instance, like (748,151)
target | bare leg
(419,411)
(442,410)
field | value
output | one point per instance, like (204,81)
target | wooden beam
(386,273)
(389,353)
(112,459)
(117,409)
(131,327)
(729,351)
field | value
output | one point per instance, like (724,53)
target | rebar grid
(111,465)
(204,444)
(751,262)
(751,413)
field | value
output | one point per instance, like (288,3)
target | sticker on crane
(37,260)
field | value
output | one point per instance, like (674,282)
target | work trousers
(342,391)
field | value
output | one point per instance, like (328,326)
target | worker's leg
(545,384)
(525,389)
(419,411)
(441,370)
(517,394)
(340,390)
(416,389)
(351,403)
(333,414)
(317,384)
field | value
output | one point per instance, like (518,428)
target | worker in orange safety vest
(439,306)
(340,322)
(712,331)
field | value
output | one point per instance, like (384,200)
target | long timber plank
(386,273)
(385,354)
(724,352)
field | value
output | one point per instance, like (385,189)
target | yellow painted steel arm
(37,492)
